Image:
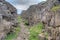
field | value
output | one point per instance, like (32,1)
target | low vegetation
(55,8)
(15,32)
(34,31)
(19,19)
(26,23)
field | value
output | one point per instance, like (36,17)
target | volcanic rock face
(8,16)
(42,13)
(38,12)
(33,14)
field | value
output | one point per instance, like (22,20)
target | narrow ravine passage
(24,33)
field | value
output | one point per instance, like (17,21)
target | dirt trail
(24,33)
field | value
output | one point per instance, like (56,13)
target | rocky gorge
(39,22)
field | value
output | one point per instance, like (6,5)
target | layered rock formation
(43,12)
(8,14)
(35,12)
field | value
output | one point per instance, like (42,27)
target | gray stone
(8,18)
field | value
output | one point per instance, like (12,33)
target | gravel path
(24,33)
